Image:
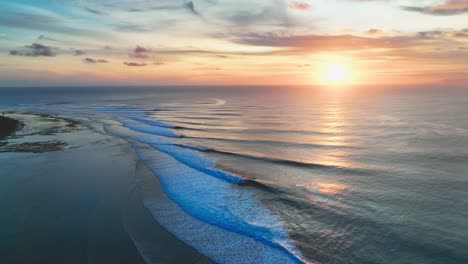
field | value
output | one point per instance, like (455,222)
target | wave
(182,154)
(152,122)
(287,162)
(216,202)
(226,114)
(195,161)
(271,142)
(210,195)
(271,160)
(155,130)
(215,127)
(221,245)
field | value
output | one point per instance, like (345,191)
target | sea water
(292,174)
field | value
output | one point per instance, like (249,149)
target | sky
(232,42)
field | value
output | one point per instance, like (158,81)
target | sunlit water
(308,175)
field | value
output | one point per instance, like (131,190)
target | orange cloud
(302,6)
(460,36)
(374,31)
(449,7)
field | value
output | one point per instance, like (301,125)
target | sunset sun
(336,74)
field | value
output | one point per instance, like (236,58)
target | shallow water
(304,175)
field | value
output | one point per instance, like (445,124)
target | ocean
(291,174)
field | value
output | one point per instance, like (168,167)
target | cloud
(41,50)
(140,53)
(302,6)
(270,13)
(94,11)
(42,37)
(449,7)
(374,31)
(325,42)
(89,60)
(134,64)
(164,5)
(79,53)
(139,49)
(35,50)
(431,34)
(460,36)
(191,7)
(40,22)
(94,61)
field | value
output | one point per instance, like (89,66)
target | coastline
(77,202)
(8,126)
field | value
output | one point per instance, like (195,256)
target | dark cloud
(129,27)
(42,37)
(35,50)
(444,34)
(94,61)
(41,50)
(446,8)
(134,64)
(139,49)
(431,34)
(191,7)
(141,53)
(89,60)
(79,53)
(374,31)
(135,10)
(449,7)
(94,11)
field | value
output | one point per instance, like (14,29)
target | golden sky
(233,42)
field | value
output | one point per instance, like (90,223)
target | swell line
(286,162)
(270,142)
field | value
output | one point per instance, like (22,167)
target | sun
(335,74)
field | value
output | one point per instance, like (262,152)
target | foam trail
(183,154)
(219,203)
(216,243)
(195,161)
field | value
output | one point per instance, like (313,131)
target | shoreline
(78,202)
(35,133)
(9,126)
